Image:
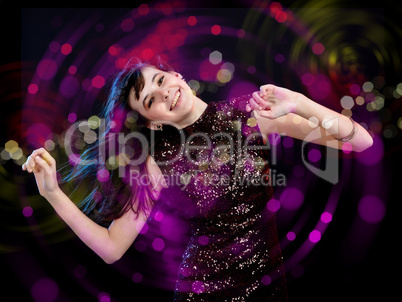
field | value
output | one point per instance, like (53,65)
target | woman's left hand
(273,101)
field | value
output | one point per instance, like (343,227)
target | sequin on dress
(219,182)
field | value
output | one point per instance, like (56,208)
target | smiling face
(165,98)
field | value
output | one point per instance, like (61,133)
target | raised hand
(273,101)
(43,165)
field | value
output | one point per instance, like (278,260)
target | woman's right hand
(43,165)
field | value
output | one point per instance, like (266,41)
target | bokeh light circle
(45,290)
(46,69)
(291,198)
(371,209)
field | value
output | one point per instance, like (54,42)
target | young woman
(207,163)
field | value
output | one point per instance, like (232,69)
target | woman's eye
(159,83)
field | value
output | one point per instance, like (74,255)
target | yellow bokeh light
(370,107)
(360,100)
(224,76)
(399,88)
(94,122)
(346,112)
(111,163)
(11,146)
(252,122)
(122,159)
(400,123)
(379,102)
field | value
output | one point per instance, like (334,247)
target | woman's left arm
(280,110)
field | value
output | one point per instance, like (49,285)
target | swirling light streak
(321,35)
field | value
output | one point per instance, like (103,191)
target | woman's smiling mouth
(175,100)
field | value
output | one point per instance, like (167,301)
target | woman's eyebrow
(152,81)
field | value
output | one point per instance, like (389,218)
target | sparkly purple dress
(219,182)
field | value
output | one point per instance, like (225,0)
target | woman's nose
(165,94)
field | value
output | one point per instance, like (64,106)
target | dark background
(336,269)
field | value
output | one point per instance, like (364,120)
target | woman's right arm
(110,244)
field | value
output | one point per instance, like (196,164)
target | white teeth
(175,100)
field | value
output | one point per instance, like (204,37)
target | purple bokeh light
(266,280)
(371,209)
(158,244)
(104,297)
(45,290)
(137,278)
(291,198)
(47,69)
(314,236)
(326,217)
(314,155)
(273,205)
(27,211)
(291,236)
(69,86)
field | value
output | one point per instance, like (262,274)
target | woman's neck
(198,109)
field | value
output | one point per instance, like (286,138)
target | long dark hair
(111,192)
